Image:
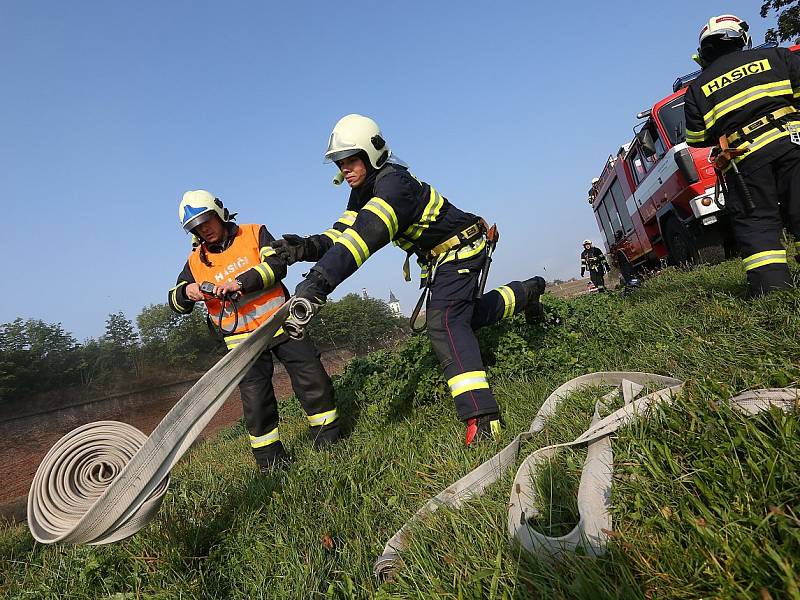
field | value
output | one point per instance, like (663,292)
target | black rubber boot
(324,435)
(484,427)
(272,458)
(534,288)
(768,279)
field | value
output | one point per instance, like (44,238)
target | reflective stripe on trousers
(762,259)
(323,418)
(265,440)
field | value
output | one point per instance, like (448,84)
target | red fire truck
(654,201)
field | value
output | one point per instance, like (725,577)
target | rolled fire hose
(594,491)
(104,481)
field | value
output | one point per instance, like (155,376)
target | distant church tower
(394,304)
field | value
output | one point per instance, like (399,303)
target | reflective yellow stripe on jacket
(347,219)
(757,92)
(759,142)
(381,209)
(173,298)
(231,341)
(694,137)
(429,216)
(351,240)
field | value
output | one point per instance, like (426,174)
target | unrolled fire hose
(594,491)
(104,481)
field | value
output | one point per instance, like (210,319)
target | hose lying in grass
(104,481)
(594,491)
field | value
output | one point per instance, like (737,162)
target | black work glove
(292,248)
(583,272)
(314,288)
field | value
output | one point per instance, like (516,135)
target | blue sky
(109,111)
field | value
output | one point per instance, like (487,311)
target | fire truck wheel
(679,243)
(711,253)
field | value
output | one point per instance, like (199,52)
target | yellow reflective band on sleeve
(762,259)
(267,274)
(695,136)
(265,440)
(323,418)
(757,92)
(173,298)
(796,94)
(467,382)
(266,252)
(333,234)
(403,243)
(351,240)
(347,218)
(509,300)
(429,215)
(385,213)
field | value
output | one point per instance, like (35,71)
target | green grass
(706,502)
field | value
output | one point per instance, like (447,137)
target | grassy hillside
(706,502)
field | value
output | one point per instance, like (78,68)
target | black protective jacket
(738,89)
(593,259)
(390,206)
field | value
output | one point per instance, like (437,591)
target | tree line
(38,357)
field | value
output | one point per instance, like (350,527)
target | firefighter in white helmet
(238,259)
(747,99)
(595,261)
(388,204)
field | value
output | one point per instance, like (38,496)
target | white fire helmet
(725,27)
(198,206)
(354,133)
(587,242)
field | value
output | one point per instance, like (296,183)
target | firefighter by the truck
(389,204)
(238,259)
(594,260)
(750,97)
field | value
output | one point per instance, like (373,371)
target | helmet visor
(722,34)
(339,148)
(197,219)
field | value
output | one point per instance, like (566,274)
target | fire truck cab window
(638,165)
(673,120)
(658,144)
(619,201)
(601,212)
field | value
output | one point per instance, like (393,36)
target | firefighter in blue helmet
(388,204)
(746,99)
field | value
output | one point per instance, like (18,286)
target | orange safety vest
(254,308)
